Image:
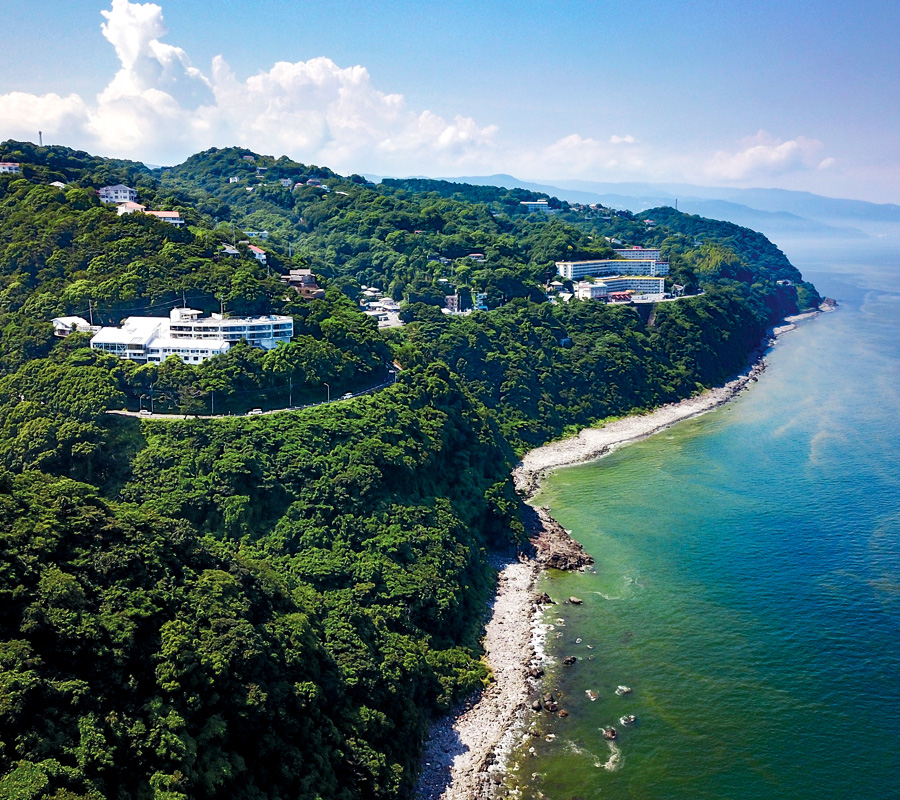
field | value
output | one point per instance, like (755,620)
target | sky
(747,94)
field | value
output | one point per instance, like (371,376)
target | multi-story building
(117,194)
(640,253)
(535,205)
(9,168)
(192,338)
(575,270)
(615,284)
(591,291)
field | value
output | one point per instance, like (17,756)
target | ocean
(747,578)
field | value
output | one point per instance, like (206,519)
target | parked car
(254,412)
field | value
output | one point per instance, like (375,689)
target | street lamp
(329,392)
(141,402)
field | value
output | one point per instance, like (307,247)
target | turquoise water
(747,580)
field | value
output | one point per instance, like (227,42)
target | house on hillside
(234,179)
(64,326)
(130,208)
(304,283)
(117,194)
(287,183)
(258,253)
(9,168)
(172,217)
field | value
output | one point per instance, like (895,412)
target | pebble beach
(464,757)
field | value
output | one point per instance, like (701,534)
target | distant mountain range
(774,212)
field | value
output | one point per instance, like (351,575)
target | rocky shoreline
(465,755)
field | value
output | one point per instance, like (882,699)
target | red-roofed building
(172,217)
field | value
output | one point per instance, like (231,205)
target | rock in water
(576,601)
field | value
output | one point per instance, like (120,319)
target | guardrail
(143,414)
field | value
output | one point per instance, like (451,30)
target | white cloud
(764,156)
(23,115)
(159,107)
(578,156)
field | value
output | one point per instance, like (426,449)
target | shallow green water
(747,580)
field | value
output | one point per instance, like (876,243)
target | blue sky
(784,94)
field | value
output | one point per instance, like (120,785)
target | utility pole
(290,392)
(91,311)
(329,392)
(212,400)
(40,138)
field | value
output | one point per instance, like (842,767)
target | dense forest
(276,606)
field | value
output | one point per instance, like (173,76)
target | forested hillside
(276,606)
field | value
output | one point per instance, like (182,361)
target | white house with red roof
(172,217)
(9,168)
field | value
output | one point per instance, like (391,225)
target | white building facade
(640,253)
(9,168)
(532,206)
(192,338)
(637,284)
(117,194)
(575,270)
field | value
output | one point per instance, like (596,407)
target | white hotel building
(640,253)
(638,284)
(184,334)
(575,270)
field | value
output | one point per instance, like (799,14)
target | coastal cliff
(551,545)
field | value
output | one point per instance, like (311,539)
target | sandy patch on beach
(592,443)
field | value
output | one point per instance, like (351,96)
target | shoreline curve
(466,752)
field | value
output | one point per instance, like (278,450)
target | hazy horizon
(767,96)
